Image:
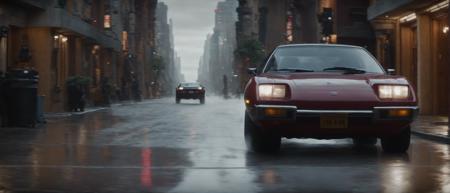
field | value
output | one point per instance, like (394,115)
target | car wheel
(178,100)
(365,142)
(398,143)
(258,141)
(202,100)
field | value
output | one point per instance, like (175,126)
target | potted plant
(76,91)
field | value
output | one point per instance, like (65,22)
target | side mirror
(391,71)
(251,71)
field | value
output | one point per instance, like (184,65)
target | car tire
(202,100)
(364,142)
(397,143)
(257,141)
(177,100)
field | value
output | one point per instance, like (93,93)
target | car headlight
(393,92)
(269,91)
(180,88)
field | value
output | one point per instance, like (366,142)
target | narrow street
(160,146)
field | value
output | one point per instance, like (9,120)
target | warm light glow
(408,18)
(290,29)
(124,40)
(438,6)
(247,101)
(399,113)
(445,29)
(55,37)
(267,91)
(107,21)
(64,39)
(393,92)
(333,39)
(274,112)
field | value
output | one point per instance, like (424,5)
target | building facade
(218,57)
(67,38)
(275,22)
(169,67)
(412,37)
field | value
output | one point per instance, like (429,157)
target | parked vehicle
(327,92)
(191,90)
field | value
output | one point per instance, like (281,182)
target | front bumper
(190,94)
(290,121)
(291,113)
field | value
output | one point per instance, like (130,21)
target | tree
(251,50)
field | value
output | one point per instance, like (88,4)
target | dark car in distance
(190,90)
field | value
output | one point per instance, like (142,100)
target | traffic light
(326,19)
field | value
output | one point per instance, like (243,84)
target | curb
(69,114)
(432,137)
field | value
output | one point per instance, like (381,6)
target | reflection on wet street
(159,146)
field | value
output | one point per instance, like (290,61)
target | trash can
(21,97)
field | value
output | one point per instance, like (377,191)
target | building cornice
(60,18)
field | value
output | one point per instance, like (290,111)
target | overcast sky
(192,20)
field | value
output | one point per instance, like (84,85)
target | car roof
(190,83)
(318,45)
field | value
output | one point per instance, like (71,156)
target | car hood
(312,88)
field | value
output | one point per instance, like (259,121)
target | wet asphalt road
(158,146)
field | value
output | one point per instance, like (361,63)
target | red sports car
(327,91)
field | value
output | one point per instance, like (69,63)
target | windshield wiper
(293,70)
(346,70)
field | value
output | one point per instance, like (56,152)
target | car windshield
(190,85)
(323,58)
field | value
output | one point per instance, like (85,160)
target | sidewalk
(94,109)
(68,114)
(432,127)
